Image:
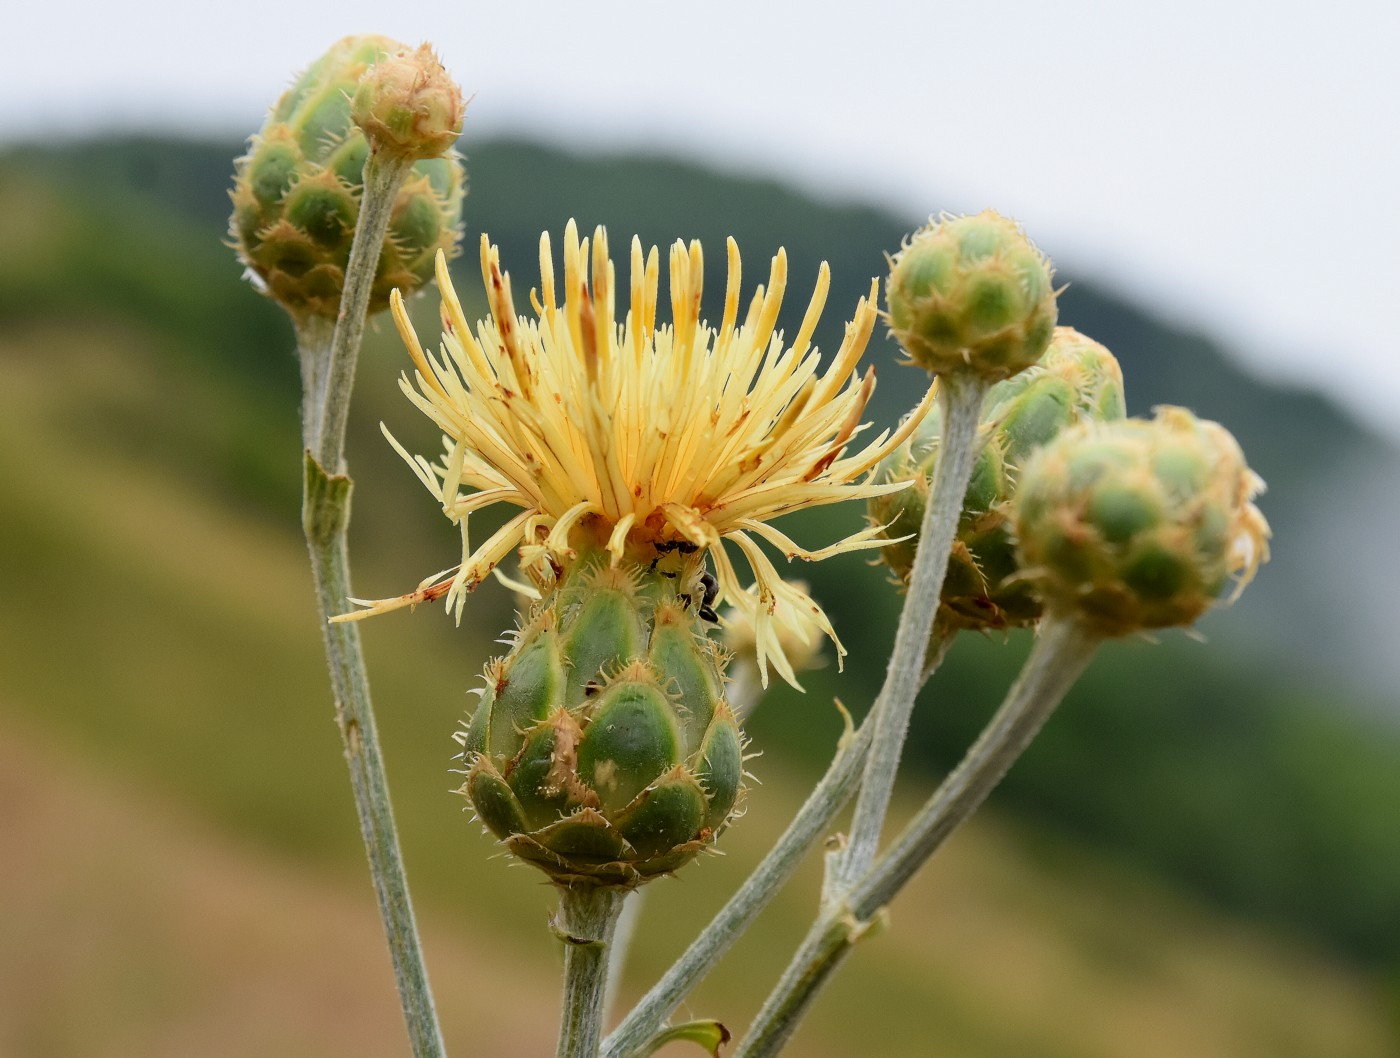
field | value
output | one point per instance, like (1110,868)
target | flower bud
(407,104)
(1135,525)
(1077,380)
(972,295)
(296,194)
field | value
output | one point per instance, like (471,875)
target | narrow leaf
(710,1035)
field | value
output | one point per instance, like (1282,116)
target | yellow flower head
(640,438)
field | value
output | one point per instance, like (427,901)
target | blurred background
(1201,854)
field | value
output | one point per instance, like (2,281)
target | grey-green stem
(1063,649)
(825,947)
(810,823)
(622,943)
(328,369)
(586,921)
(1061,652)
(961,402)
(384,176)
(314,334)
(828,798)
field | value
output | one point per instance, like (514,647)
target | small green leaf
(709,1034)
(326,506)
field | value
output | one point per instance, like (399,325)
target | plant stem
(314,335)
(383,179)
(1061,652)
(326,513)
(961,402)
(829,796)
(1063,649)
(826,800)
(824,948)
(587,918)
(622,941)
(328,368)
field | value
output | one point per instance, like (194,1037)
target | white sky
(1234,166)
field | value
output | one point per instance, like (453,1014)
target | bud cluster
(1076,380)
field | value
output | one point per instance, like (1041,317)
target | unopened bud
(971,295)
(409,105)
(1077,380)
(1135,525)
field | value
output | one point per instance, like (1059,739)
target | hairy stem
(807,827)
(1061,652)
(961,402)
(383,179)
(622,941)
(314,334)
(827,799)
(825,947)
(1063,649)
(328,369)
(586,921)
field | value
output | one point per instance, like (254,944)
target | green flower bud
(407,104)
(296,194)
(1134,525)
(1077,380)
(972,295)
(603,750)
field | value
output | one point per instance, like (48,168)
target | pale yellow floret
(1249,548)
(658,433)
(792,639)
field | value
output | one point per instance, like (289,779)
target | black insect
(710,587)
(685,547)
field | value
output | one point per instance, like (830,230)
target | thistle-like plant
(985,587)
(644,454)
(604,751)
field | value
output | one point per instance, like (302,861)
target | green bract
(1135,524)
(1076,380)
(971,295)
(603,750)
(296,193)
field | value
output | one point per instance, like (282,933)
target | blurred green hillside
(159,618)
